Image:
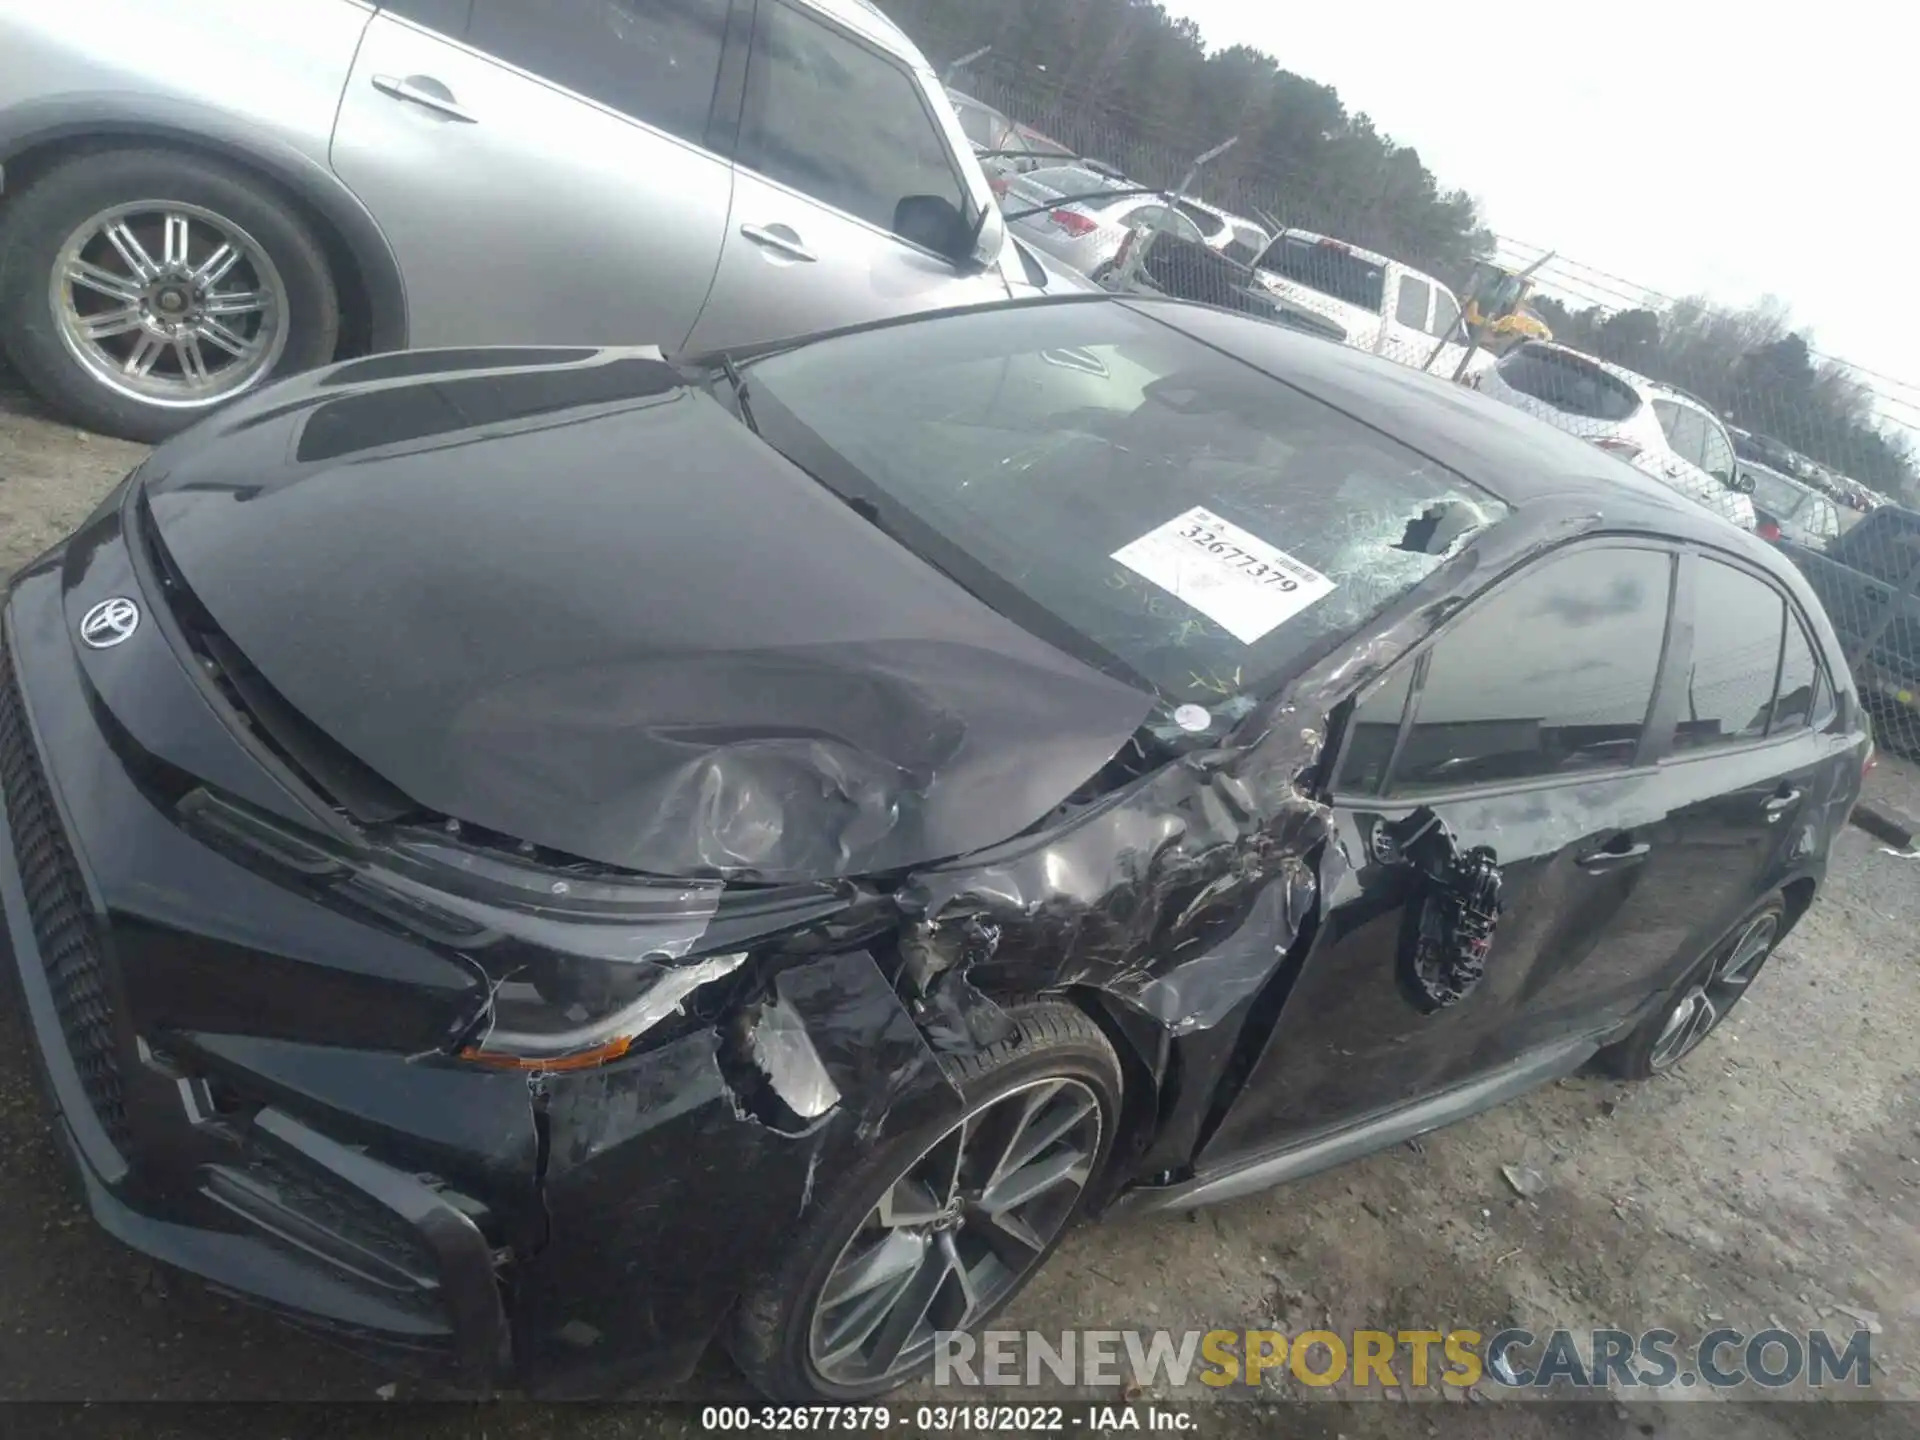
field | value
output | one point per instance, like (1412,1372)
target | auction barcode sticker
(1235,579)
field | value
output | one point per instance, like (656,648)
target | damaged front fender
(673,1179)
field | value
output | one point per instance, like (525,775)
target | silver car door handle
(792,249)
(407,90)
(1605,859)
(1780,804)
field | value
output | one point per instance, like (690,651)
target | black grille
(57,905)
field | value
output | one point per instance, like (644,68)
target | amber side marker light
(606,1039)
(579,1060)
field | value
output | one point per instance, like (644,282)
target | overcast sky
(1689,147)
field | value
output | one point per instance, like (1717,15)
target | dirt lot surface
(1774,1179)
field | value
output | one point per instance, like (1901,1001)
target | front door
(540,169)
(1526,733)
(834,136)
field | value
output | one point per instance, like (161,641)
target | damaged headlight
(570,1014)
(578,966)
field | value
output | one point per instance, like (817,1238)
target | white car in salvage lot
(1658,431)
(1384,306)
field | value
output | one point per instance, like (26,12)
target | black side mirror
(933,222)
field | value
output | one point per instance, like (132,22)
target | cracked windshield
(713,703)
(1186,515)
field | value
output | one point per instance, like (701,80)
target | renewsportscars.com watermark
(1561,1360)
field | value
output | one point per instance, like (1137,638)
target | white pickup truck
(1384,306)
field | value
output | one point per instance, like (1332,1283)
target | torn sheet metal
(867,1043)
(1123,892)
(666,1195)
(1150,893)
(784,1053)
(1199,993)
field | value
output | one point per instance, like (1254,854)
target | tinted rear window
(1728,695)
(1210,224)
(1778,498)
(1569,383)
(1328,267)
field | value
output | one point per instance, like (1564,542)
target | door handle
(1613,854)
(413,89)
(1780,804)
(774,240)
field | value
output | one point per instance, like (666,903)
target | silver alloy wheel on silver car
(169,303)
(955,1234)
(1704,1002)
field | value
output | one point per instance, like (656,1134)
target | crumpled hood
(566,597)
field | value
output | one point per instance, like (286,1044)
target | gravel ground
(1775,1177)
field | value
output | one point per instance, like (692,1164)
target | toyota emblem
(109,622)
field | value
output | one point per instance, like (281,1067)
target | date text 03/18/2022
(982,1419)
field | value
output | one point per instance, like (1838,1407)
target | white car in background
(1081,216)
(1234,236)
(1383,306)
(1659,431)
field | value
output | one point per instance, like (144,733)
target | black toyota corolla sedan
(536,862)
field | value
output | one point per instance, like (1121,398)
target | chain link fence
(1732,408)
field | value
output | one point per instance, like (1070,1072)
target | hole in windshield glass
(1181,511)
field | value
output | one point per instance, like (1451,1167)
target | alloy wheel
(169,303)
(1705,1001)
(953,1237)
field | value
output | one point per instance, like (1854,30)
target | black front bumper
(253,1091)
(280,1215)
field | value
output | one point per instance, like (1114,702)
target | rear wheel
(140,289)
(939,1229)
(1694,1008)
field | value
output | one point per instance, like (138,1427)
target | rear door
(835,134)
(1524,728)
(1747,723)
(541,167)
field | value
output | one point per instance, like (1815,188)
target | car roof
(1518,458)
(1226,215)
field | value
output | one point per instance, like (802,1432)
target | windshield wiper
(739,384)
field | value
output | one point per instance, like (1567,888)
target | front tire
(140,289)
(1695,1007)
(941,1227)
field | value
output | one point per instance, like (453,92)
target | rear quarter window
(1727,693)
(1569,384)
